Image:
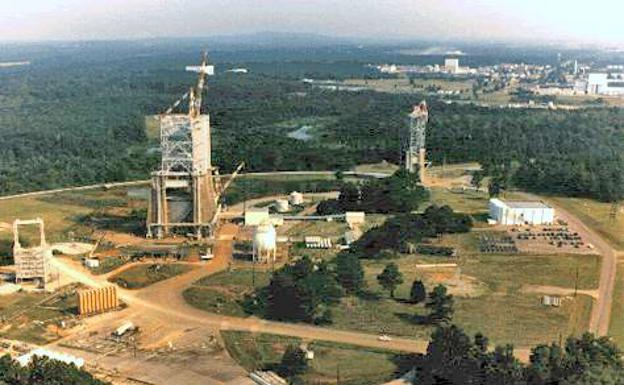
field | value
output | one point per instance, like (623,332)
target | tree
(390,278)
(300,291)
(293,363)
(440,305)
(494,188)
(42,370)
(349,272)
(477,178)
(418,293)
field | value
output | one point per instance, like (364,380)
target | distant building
(451,65)
(238,70)
(520,212)
(605,84)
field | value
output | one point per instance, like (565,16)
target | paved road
(601,310)
(164,299)
(147,181)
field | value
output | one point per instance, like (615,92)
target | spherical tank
(265,239)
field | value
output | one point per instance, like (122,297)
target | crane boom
(196,94)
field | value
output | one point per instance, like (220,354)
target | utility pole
(253,272)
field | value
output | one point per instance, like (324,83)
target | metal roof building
(520,212)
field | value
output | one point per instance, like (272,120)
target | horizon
(400,21)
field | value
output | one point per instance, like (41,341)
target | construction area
(156,299)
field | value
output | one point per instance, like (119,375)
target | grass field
(143,275)
(108,264)
(251,187)
(596,215)
(616,325)
(354,365)
(403,85)
(491,285)
(469,202)
(33,317)
(484,284)
(332,230)
(221,293)
(64,214)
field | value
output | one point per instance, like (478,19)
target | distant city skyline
(528,20)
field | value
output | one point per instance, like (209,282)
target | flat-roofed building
(520,212)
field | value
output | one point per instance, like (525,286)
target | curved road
(164,299)
(147,181)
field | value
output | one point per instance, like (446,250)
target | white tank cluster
(295,198)
(282,205)
(264,243)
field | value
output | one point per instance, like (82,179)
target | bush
(441,251)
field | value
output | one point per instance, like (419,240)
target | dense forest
(43,371)
(76,116)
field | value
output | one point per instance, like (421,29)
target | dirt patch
(459,285)
(73,248)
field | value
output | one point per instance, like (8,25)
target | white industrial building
(605,84)
(451,65)
(520,212)
(255,216)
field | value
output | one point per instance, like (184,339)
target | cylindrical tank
(264,242)
(296,198)
(282,206)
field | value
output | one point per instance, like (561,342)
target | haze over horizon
(529,20)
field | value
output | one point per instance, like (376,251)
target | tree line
(43,371)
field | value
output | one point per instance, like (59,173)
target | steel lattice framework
(414,141)
(184,190)
(185,143)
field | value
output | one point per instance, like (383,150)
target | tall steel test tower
(414,140)
(184,192)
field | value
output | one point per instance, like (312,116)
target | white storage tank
(264,243)
(282,205)
(295,198)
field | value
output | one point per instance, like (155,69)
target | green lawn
(355,365)
(143,275)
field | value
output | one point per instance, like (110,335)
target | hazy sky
(583,21)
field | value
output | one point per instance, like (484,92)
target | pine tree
(390,278)
(349,272)
(440,305)
(418,293)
